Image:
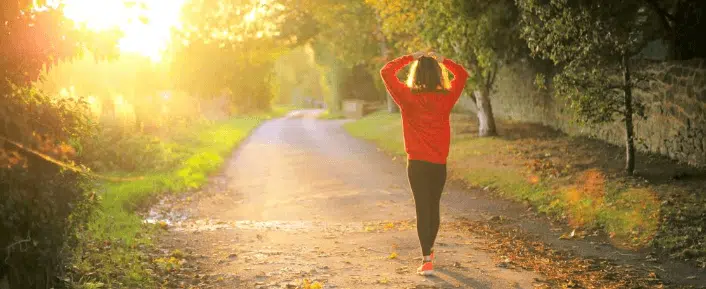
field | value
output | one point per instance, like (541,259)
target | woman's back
(425,114)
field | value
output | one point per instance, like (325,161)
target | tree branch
(473,98)
(68,166)
(8,249)
(664,15)
(487,80)
(495,73)
(615,86)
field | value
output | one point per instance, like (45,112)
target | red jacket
(425,116)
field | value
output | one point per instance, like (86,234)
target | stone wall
(675,100)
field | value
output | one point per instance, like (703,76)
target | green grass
(281,110)
(331,115)
(382,128)
(586,199)
(112,249)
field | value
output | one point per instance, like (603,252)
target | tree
(228,48)
(394,34)
(593,44)
(297,76)
(343,42)
(39,201)
(480,34)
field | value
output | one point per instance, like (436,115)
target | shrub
(42,204)
(119,149)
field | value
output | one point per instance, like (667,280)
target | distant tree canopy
(220,51)
(345,40)
(298,77)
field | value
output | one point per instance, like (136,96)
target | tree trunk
(391,105)
(486,121)
(335,87)
(107,109)
(629,128)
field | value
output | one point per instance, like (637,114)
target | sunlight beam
(146,24)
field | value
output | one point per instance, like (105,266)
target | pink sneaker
(427,269)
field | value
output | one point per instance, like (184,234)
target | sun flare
(146,24)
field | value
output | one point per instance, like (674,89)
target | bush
(41,209)
(119,149)
(42,204)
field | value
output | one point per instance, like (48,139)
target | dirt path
(301,200)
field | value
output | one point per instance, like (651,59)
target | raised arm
(459,81)
(388,72)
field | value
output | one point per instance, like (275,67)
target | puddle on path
(280,226)
(178,218)
(167,213)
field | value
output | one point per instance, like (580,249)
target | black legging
(427,181)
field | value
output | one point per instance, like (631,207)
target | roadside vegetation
(103,108)
(116,248)
(331,115)
(572,179)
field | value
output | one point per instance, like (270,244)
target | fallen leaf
(566,236)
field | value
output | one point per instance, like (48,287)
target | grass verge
(575,179)
(331,115)
(114,249)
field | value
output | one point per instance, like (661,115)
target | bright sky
(148,38)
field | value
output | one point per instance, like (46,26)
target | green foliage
(345,51)
(382,128)
(588,41)
(586,199)
(119,149)
(358,83)
(330,115)
(593,43)
(113,250)
(236,59)
(346,27)
(39,220)
(479,33)
(399,22)
(298,76)
(41,205)
(31,39)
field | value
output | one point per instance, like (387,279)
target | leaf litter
(560,269)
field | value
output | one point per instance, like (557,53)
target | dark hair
(427,75)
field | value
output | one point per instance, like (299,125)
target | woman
(425,102)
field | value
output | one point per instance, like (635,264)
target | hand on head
(431,54)
(436,56)
(418,54)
